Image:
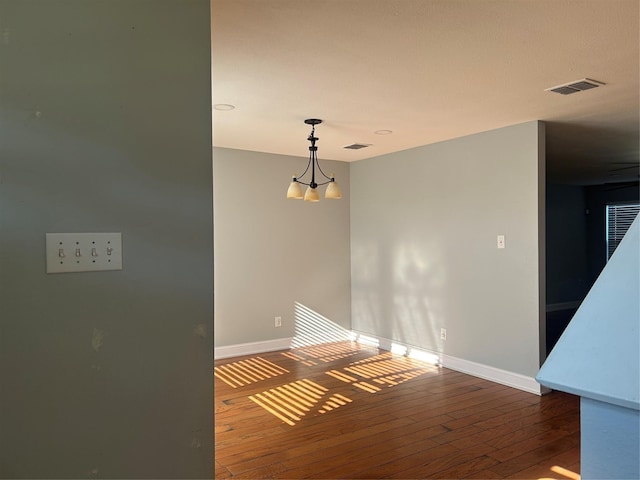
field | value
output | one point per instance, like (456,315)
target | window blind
(619,219)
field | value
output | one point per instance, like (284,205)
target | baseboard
(493,374)
(251,348)
(497,375)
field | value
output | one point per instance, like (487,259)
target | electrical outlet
(443,334)
(278,321)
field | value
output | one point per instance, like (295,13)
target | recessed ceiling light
(225,107)
(383,132)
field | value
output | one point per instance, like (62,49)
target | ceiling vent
(574,87)
(357,146)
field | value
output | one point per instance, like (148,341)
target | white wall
(271,252)
(423,247)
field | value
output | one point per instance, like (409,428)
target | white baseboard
(493,374)
(497,375)
(251,348)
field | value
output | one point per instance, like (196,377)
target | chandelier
(311,195)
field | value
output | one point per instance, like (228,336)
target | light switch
(501,243)
(83,252)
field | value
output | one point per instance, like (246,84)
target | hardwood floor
(347,410)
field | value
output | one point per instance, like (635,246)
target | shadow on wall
(397,291)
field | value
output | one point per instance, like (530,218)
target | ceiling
(429,71)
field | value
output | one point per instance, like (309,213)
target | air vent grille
(564,90)
(583,85)
(356,146)
(575,87)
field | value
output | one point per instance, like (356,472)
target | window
(619,218)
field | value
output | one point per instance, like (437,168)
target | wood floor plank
(469,467)
(452,460)
(537,456)
(321,449)
(528,443)
(402,463)
(473,417)
(346,461)
(508,434)
(448,405)
(557,467)
(502,402)
(486,474)
(221,472)
(361,412)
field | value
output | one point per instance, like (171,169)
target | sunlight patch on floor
(298,358)
(246,372)
(293,401)
(325,353)
(565,472)
(383,369)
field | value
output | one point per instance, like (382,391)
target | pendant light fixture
(311,195)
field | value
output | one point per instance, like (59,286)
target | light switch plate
(500,241)
(83,252)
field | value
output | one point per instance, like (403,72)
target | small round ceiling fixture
(383,132)
(224,107)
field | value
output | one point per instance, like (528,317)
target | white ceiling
(429,70)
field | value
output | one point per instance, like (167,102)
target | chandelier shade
(333,190)
(295,190)
(311,194)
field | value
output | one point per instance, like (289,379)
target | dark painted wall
(106,127)
(566,239)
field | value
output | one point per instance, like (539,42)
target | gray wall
(423,243)
(106,127)
(272,253)
(566,243)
